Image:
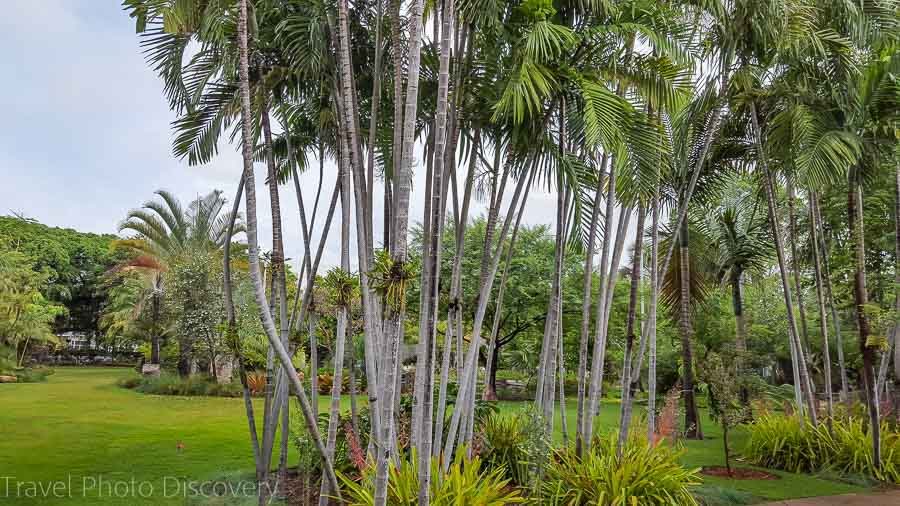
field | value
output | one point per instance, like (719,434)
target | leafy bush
(170,384)
(645,474)
(464,483)
(792,444)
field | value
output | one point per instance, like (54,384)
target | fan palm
(164,231)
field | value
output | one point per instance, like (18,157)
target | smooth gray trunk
(253,245)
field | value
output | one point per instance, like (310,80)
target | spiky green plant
(504,438)
(464,483)
(791,444)
(390,278)
(644,474)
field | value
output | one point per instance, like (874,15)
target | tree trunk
(692,427)
(627,400)
(740,322)
(465,398)
(861,296)
(340,333)
(782,268)
(651,315)
(253,246)
(490,387)
(599,352)
(896,397)
(424,388)
(393,322)
(588,278)
(795,267)
(232,336)
(155,316)
(835,319)
(545,372)
(820,298)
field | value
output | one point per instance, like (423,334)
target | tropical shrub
(464,483)
(645,474)
(792,444)
(504,446)
(171,384)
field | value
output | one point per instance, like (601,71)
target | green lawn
(81,429)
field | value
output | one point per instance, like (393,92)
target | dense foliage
(641,474)
(842,445)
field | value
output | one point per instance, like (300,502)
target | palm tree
(741,246)
(166,230)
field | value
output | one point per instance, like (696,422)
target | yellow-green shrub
(645,474)
(464,483)
(792,444)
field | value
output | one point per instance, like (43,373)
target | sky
(86,132)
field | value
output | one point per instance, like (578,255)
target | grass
(81,429)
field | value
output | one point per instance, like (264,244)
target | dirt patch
(738,473)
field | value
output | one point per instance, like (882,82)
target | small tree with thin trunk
(725,404)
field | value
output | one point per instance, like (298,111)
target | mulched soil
(738,473)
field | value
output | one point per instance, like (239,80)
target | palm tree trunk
(155,316)
(782,267)
(835,319)
(740,321)
(341,331)
(599,351)
(314,363)
(560,360)
(896,397)
(795,267)
(692,426)
(349,157)
(253,245)
(820,298)
(861,296)
(627,401)
(545,372)
(440,174)
(278,281)
(651,314)
(393,322)
(587,282)
(233,337)
(490,393)
(455,296)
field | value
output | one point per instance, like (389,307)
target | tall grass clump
(795,445)
(644,474)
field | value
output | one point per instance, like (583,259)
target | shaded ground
(82,431)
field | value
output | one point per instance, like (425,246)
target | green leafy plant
(389,279)
(645,474)
(791,444)
(464,483)
(725,404)
(504,446)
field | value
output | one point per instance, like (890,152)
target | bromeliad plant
(644,474)
(389,279)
